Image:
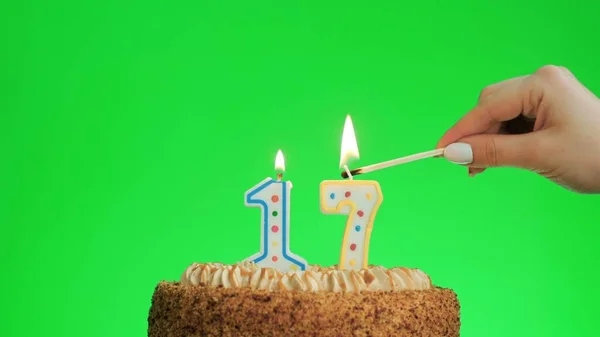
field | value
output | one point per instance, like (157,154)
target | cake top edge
(310,267)
(314,278)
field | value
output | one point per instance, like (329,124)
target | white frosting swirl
(247,274)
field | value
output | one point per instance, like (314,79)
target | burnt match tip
(352,172)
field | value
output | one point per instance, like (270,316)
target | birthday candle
(273,197)
(359,200)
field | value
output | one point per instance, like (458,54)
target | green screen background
(134,128)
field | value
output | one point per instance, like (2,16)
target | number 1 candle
(273,197)
(359,200)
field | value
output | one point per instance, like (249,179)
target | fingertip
(447,139)
(459,153)
(473,171)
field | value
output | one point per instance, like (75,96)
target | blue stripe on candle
(265,217)
(285,225)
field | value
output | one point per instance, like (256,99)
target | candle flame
(349,146)
(279,162)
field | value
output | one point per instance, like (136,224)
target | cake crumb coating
(184,310)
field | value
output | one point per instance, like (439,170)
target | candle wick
(279,176)
(348,172)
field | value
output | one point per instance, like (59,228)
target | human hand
(548,123)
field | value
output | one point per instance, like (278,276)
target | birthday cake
(277,293)
(247,300)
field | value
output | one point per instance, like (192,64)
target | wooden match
(458,153)
(393,162)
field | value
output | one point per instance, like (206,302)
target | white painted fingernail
(459,153)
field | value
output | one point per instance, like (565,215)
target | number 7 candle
(358,199)
(273,198)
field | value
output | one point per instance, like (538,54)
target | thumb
(496,150)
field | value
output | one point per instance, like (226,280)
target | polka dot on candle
(348,194)
(274,213)
(275,198)
(369,196)
(332,195)
(274,258)
(275,229)
(294,267)
(352,263)
(357,228)
(353,247)
(275,243)
(360,213)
